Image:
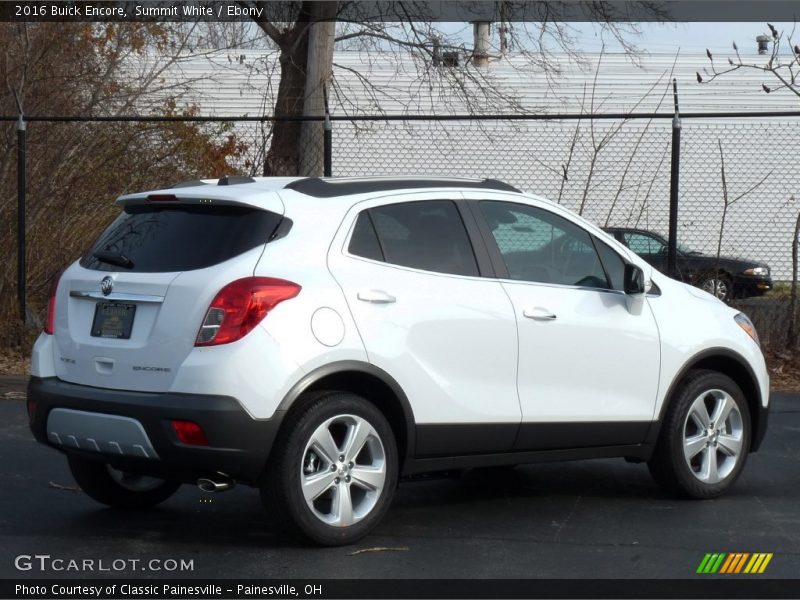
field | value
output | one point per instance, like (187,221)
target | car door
(588,354)
(427,317)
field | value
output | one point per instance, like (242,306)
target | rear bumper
(238,444)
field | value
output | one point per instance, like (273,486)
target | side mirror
(633,280)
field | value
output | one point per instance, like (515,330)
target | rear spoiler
(206,196)
(161,198)
(226,191)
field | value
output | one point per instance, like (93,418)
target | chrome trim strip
(116,296)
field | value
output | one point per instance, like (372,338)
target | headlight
(745,323)
(757,271)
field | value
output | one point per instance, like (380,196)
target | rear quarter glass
(180,238)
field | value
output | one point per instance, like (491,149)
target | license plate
(113,320)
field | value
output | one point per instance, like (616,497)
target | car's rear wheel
(719,285)
(705,437)
(120,489)
(333,471)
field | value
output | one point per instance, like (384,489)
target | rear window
(151,239)
(427,235)
(364,241)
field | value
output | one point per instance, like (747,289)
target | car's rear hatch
(128,313)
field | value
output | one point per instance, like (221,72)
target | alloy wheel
(717,287)
(343,470)
(713,435)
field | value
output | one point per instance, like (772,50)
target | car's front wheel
(119,489)
(333,470)
(705,436)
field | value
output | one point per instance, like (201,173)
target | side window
(364,241)
(524,233)
(537,245)
(428,235)
(643,244)
(613,263)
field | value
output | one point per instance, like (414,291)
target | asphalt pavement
(586,519)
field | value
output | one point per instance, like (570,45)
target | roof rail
(329,188)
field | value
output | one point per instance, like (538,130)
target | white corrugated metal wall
(629,182)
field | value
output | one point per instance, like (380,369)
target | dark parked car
(726,277)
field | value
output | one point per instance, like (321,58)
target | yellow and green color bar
(735,562)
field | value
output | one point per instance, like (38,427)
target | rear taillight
(240,306)
(50,324)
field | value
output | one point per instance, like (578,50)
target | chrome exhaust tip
(215,483)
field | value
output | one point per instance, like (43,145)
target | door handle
(375,297)
(538,314)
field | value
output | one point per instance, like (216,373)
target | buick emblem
(107,285)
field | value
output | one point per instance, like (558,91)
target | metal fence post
(672,242)
(328,139)
(327,161)
(21,241)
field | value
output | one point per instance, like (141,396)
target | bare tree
(409,30)
(635,150)
(74,169)
(645,204)
(601,141)
(565,167)
(223,35)
(782,63)
(716,279)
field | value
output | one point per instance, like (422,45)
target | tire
(720,286)
(118,489)
(342,500)
(690,461)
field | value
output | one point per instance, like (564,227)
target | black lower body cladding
(238,444)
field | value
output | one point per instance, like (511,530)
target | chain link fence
(613,173)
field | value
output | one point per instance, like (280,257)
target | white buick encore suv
(322,339)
